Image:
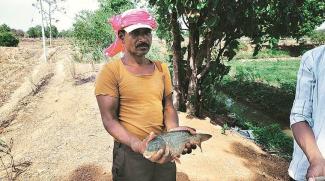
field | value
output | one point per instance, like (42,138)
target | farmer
(134,96)
(307,117)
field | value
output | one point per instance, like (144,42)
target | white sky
(20,14)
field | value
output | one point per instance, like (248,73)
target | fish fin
(199,144)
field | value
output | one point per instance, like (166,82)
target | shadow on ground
(264,166)
(96,173)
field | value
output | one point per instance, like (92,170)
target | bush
(273,139)
(4,28)
(317,37)
(7,39)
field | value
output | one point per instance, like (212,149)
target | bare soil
(59,131)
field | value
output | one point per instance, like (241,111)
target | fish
(175,141)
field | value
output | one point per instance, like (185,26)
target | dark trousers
(131,166)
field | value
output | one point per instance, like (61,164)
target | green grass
(280,73)
(264,53)
(268,86)
(265,85)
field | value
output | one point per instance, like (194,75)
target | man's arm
(305,138)
(301,120)
(108,107)
(170,114)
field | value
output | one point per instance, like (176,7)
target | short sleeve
(168,81)
(106,81)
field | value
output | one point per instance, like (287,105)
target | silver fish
(175,141)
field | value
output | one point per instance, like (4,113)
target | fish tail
(204,137)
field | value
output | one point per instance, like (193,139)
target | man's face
(138,41)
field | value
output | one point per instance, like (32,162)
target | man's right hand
(161,156)
(316,169)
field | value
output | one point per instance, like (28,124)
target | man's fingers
(157,156)
(191,130)
(184,151)
(151,136)
(311,179)
(193,146)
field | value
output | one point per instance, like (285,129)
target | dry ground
(59,132)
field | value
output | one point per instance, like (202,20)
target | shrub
(7,39)
(273,138)
(317,37)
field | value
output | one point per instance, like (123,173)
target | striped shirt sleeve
(302,106)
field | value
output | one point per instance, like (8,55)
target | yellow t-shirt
(140,96)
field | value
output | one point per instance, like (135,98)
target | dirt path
(61,134)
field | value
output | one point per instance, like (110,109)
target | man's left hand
(188,146)
(316,169)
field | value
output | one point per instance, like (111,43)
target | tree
(213,28)
(51,7)
(65,34)
(51,32)
(91,33)
(35,32)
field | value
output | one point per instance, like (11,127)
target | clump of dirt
(90,173)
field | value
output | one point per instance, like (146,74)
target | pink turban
(132,19)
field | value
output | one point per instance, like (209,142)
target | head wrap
(119,22)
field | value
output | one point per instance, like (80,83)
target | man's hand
(189,146)
(161,156)
(316,169)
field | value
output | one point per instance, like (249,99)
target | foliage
(317,37)
(224,128)
(7,39)
(255,82)
(65,34)
(273,139)
(264,53)
(34,32)
(4,28)
(91,33)
(213,29)
(54,31)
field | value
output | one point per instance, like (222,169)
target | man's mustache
(143,44)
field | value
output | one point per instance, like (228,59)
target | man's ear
(121,34)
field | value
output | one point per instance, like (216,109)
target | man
(307,118)
(134,96)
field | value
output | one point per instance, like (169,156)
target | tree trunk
(192,101)
(177,58)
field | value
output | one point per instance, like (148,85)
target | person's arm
(301,117)
(108,107)
(305,138)
(170,113)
